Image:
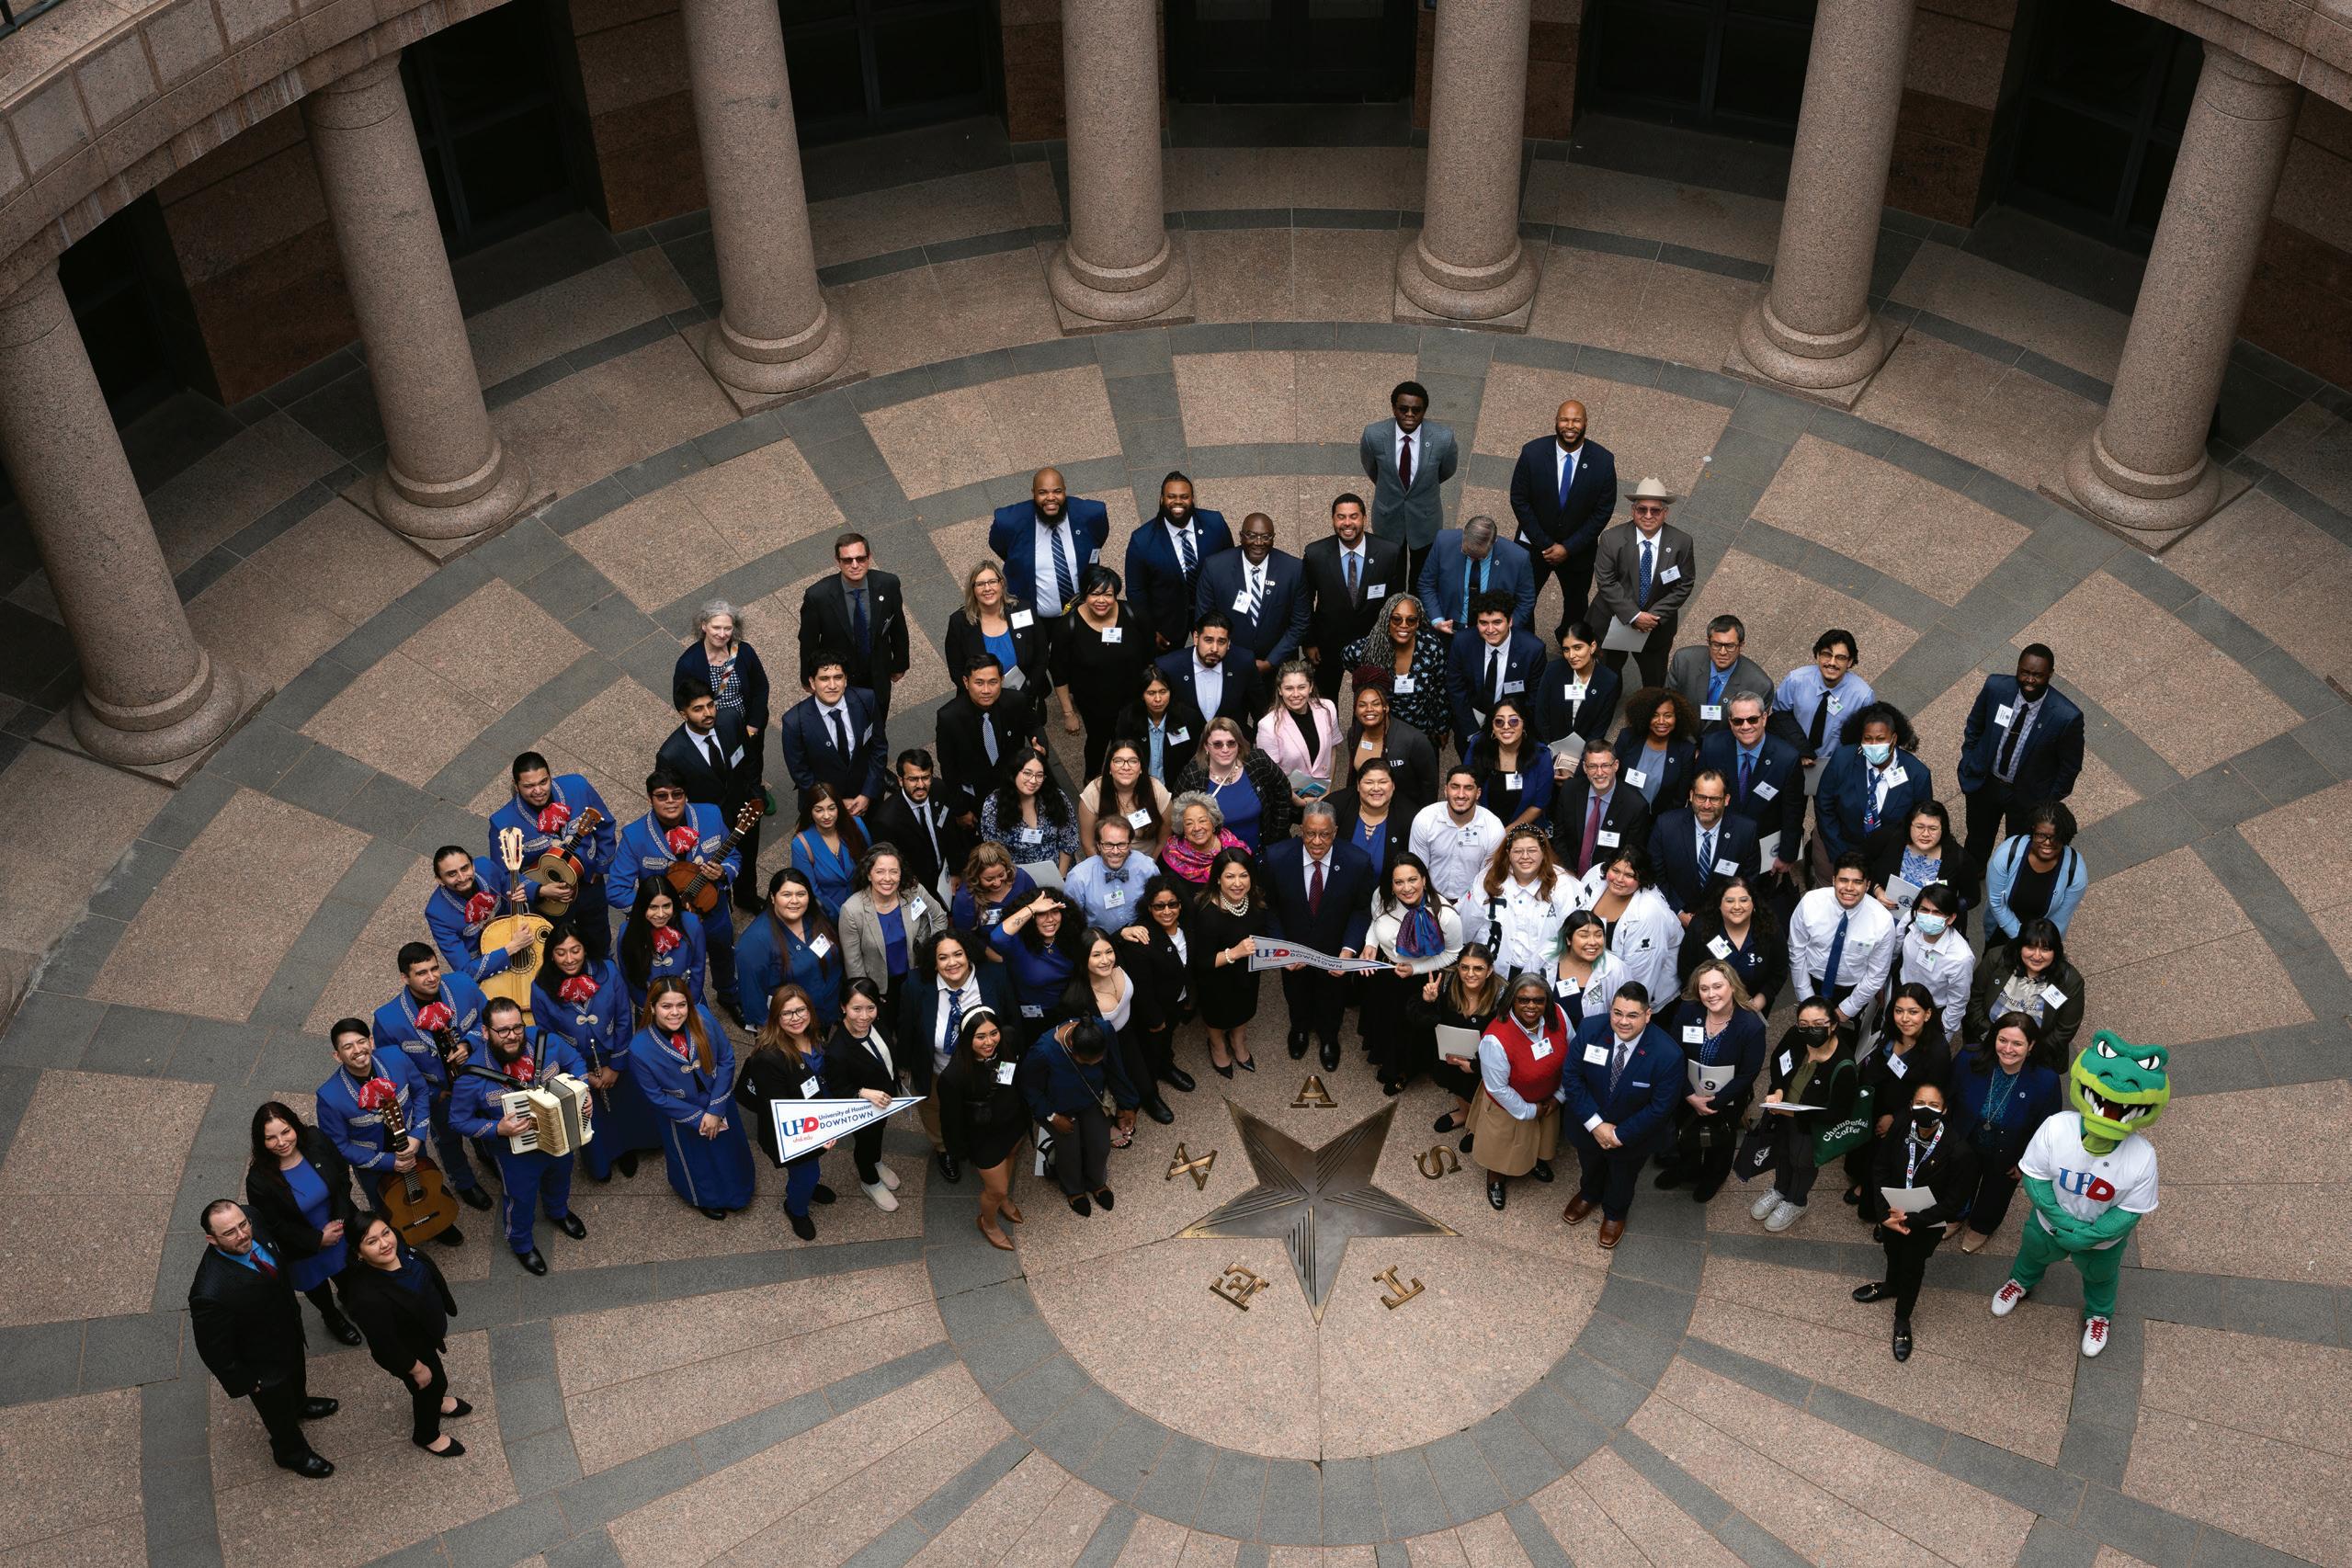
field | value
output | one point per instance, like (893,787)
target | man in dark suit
(1349,577)
(1563,491)
(1766,776)
(1408,460)
(1464,563)
(1498,661)
(1623,1078)
(716,769)
(1708,678)
(1205,674)
(1164,559)
(1642,575)
(1319,893)
(1263,589)
(835,736)
(983,734)
(1694,850)
(2023,745)
(248,1331)
(1046,542)
(1583,835)
(858,614)
(920,826)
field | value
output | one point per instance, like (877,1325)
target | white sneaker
(1765,1204)
(2005,1300)
(1784,1216)
(890,1177)
(880,1194)
(2094,1336)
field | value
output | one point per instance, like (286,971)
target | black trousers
(1318,1002)
(1704,1145)
(1081,1156)
(1650,663)
(279,1406)
(1989,1205)
(1575,578)
(1991,810)
(866,1150)
(1607,1176)
(424,1404)
(1907,1263)
(1416,557)
(1792,1156)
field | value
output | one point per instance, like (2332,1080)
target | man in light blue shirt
(1106,886)
(1813,699)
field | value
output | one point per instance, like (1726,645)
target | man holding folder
(1643,576)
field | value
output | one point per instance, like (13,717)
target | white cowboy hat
(1650,490)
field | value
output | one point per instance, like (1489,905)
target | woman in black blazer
(1657,717)
(404,1306)
(1179,719)
(1156,956)
(987,602)
(1099,653)
(985,1117)
(1923,1153)
(1578,693)
(859,1061)
(787,1064)
(313,1231)
(1375,785)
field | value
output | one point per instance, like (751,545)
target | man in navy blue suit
(1464,563)
(1498,661)
(1319,894)
(2023,745)
(1624,1077)
(1765,775)
(835,736)
(1265,591)
(1563,491)
(1164,559)
(1695,849)
(1219,683)
(1046,542)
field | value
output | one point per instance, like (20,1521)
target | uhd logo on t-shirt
(2087,1184)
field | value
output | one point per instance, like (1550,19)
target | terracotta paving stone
(2245,1481)
(611,414)
(1344,275)
(1152,1544)
(1784,612)
(929,314)
(949,438)
(1209,1551)
(400,718)
(2314,447)
(2150,672)
(931,211)
(1998,417)
(274,613)
(1652,432)
(1990,297)
(51,859)
(2302,843)
(2151,910)
(494,645)
(1585,197)
(73,1469)
(1058,1537)
(1914,532)
(2003,1381)
(365,980)
(234,484)
(1244,274)
(829,1526)
(1440,1549)
(1661,1531)
(2221,1170)
(1636,306)
(209,937)
(2282,575)
(571,313)
(653,548)
(2148,938)
(1489,1543)
(761,501)
(996,1518)
(1572,1514)
(269,1515)
(616,733)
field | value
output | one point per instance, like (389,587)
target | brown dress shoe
(1611,1231)
(1576,1211)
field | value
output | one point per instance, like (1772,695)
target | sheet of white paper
(1903,893)
(1707,1080)
(1453,1041)
(1910,1199)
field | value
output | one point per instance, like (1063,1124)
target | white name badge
(2055,997)
(1694,1034)
(1015,679)
(1862,944)
(916,909)
(1114,634)
(1836,703)
(1032,1010)
(1727,867)
(1898,1066)
(1897,776)
(1712,712)
(1787,1062)
(1366,745)
(1403,686)
(1114,897)
(1671,574)
(811,1088)
(1596,1055)
(1540,1050)
(1094,556)
(1637,777)
(2002,714)
(1377,591)
(1240,602)
(1511,782)
(1029,834)
(1137,819)
(1005,1071)
(1768,791)
(1608,838)
(1177,737)
(1023,619)
(1721,947)
(820,946)
(1513,687)
(735,757)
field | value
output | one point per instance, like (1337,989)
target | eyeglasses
(1506,720)
(1648,511)
(1750,721)
(1835,658)
(853,560)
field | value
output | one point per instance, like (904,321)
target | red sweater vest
(1534,1079)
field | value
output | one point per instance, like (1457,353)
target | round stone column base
(1466,293)
(773,367)
(187,724)
(1119,293)
(476,504)
(2136,503)
(1812,361)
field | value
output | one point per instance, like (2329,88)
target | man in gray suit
(1710,677)
(1406,458)
(1643,576)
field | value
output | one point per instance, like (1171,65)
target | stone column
(1813,329)
(1120,264)
(446,477)
(151,698)
(1467,264)
(2145,469)
(775,333)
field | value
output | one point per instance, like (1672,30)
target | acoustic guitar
(557,866)
(696,890)
(514,982)
(416,1203)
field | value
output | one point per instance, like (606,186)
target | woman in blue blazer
(685,1064)
(2000,1097)
(2035,874)
(1869,784)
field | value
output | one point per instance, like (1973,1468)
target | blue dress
(709,1172)
(598,1027)
(833,872)
(1241,807)
(317,1205)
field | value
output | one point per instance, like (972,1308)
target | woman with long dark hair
(1418,932)
(792,942)
(1042,944)
(588,1004)
(828,846)
(685,1064)
(1099,652)
(1029,815)
(2001,1095)
(1658,748)
(1740,928)
(1514,768)
(788,1059)
(1466,996)
(1229,918)
(984,1117)
(662,939)
(300,1189)
(1160,959)
(2031,975)
(1125,788)
(402,1307)
(861,1061)
(1912,1051)
(1103,989)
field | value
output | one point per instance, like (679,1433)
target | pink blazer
(1278,739)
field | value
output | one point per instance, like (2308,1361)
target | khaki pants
(929,1111)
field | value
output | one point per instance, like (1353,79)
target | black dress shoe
(821,1194)
(342,1327)
(531,1261)
(310,1467)
(474,1197)
(1081,1207)
(1179,1080)
(1157,1109)
(1249,1066)
(451,1237)
(1107,1201)
(1331,1056)
(1495,1191)
(1464,1144)
(455,1451)
(714,1213)
(1876,1291)
(1298,1045)
(320,1408)
(1543,1170)
(1392,1087)
(1902,1339)
(950,1171)
(1669,1178)
(627,1163)
(802,1226)
(1445,1123)
(570,1226)
(735,1015)
(1705,1188)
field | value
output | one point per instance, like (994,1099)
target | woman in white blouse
(1643,929)
(1935,954)
(1527,894)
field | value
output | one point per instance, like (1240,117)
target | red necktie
(268,1269)
(1314,890)
(1591,836)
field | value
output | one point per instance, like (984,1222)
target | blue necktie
(1118,876)
(1567,480)
(1837,953)
(954,1017)
(857,626)
(1191,558)
(1641,599)
(1063,578)
(1706,855)
(1159,736)
(1744,760)
(1715,688)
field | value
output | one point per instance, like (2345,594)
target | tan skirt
(1502,1143)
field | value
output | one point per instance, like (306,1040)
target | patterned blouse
(1030,844)
(1425,705)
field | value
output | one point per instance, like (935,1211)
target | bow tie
(1111,876)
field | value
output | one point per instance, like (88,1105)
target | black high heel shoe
(455,1451)
(1223,1069)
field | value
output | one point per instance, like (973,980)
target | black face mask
(1812,1034)
(1924,1119)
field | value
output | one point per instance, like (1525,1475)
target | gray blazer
(1617,574)
(864,951)
(1690,670)
(1412,518)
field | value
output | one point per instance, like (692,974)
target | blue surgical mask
(1876,752)
(1929,925)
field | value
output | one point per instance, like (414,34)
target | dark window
(490,123)
(1291,51)
(859,66)
(1729,65)
(118,305)
(2107,91)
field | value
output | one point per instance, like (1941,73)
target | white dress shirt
(1048,595)
(1208,686)
(849,721)
(1946,967)
(1869,947)
(943,1044)
(1563,465)
(1455,853)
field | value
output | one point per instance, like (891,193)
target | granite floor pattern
(899,1392)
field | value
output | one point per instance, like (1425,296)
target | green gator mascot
(2091,1176)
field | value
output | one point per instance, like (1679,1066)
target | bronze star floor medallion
(1314,1199)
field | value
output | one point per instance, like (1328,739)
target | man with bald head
(1264,590)
(1046,542)
(1563,493)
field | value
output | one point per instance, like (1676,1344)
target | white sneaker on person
(1764,1205)
(2094,1336)
(1784,1215)
(2005,1300)
(881,1196)
(890,1177)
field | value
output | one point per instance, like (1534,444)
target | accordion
(558,1112)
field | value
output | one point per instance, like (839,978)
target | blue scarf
(1418,935)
